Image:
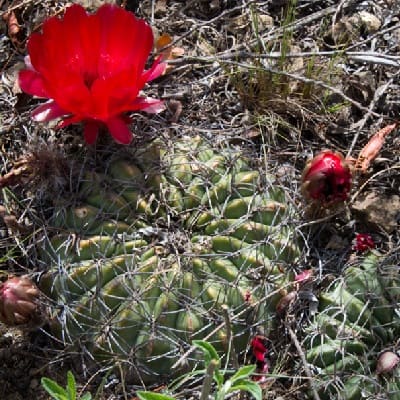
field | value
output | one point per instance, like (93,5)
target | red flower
(327,178)
(91,67)
(363,242)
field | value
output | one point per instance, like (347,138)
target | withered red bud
(327,178)
(259,347)
(285,301)
(259,350)
(18,301)
(363,242)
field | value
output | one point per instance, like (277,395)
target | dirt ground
(292,76)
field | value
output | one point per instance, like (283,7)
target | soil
(288,78)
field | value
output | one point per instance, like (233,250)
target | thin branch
(304,361)
(206,388)
(229,335)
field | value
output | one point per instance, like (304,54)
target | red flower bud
(259,350)
(327,178)
(363,242)
(18,301)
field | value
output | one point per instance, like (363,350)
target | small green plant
(239,381)
(59,393)
(153,396)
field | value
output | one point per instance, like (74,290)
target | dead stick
(229,335)
(304,361)
(206,389)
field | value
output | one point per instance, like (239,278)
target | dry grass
(281,79)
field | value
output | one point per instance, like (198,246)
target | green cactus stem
(155,244)
(358,319)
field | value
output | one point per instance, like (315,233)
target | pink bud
(387,362)
(327,178)
(18,301)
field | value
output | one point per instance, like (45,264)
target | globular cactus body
(143,264)
(357,320)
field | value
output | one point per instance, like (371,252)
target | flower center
(88,79)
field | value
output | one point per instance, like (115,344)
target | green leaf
(218,377)
(208,349)
(71,386)
(86,396)
(249,386)
(243,372)
(54,389)
(153,396)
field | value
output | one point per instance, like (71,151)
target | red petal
(57,56)
(32,83)
(116,52)
(47,112)
(119,130)
(152,106)
(155,71)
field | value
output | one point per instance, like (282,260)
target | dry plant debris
(283,80)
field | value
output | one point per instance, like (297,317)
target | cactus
(157,244)
(357,320)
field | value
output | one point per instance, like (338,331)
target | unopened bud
(327,178)
(387,362)
(18,301)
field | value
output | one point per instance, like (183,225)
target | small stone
(379,210)
(346,30)
(265,22)
(370,22)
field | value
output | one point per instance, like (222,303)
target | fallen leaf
(168,52)
(14,30)
(371,150)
